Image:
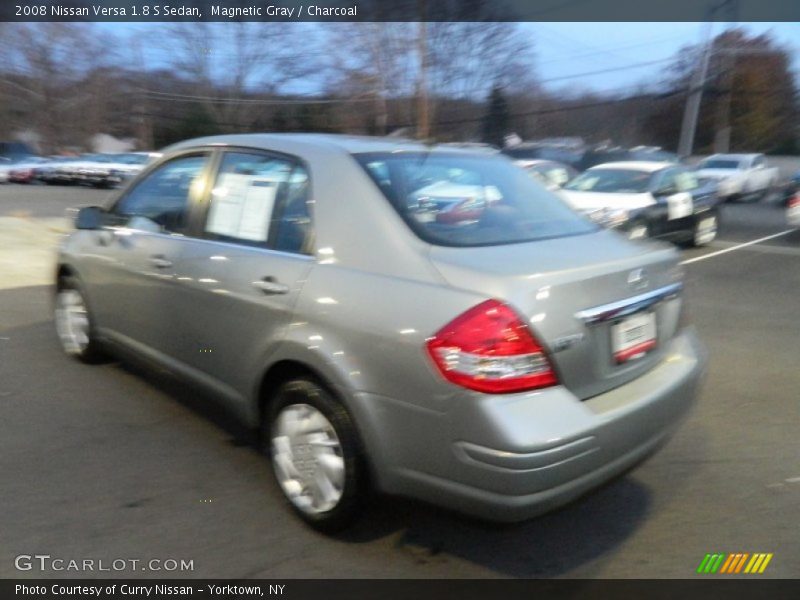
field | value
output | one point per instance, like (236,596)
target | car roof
(350,144)
(646,166)
(534,162)
(734,156)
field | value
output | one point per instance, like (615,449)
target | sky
(563,50)
(566,49)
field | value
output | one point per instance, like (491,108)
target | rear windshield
(719,163)
(464,200)
(623,181)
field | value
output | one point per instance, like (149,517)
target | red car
(25,170)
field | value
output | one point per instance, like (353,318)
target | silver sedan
(421,321)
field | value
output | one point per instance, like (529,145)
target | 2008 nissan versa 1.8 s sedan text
(500,360)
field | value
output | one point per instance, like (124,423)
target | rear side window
(469,200)
(720,163)
(260,200)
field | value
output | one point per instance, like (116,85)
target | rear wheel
(316,455)
(74,323)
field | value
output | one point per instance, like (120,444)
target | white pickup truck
(739,175)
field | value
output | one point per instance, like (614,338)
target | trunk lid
(555,284)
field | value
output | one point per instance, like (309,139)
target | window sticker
(241,207)
(679,206)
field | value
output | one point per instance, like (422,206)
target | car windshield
(468,200)
(719,163)
(621,181)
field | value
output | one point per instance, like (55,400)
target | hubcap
(637,232)
(706,231)
(72,321)
(307,458)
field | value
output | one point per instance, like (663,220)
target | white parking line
(736,247)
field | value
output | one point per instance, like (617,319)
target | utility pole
(692,109)
(423,117)
(144,127)
(722,122)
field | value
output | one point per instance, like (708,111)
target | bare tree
(230,63)
(47,65)
(371,66)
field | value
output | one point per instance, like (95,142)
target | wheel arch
(294,365)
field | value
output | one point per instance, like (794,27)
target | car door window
(686,181)
(667,183)
(260,200)
(164,196)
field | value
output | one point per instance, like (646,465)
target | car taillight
(490,349)
(794,201)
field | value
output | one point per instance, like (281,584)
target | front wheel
(74,323)
(638,231)
(705,231)
(316,455)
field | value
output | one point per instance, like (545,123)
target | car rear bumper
(512,457)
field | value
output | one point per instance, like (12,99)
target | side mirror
(90,217)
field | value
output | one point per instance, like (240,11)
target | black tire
(697,240)
(92,351)
(355,488)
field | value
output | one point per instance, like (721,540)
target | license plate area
(633,337)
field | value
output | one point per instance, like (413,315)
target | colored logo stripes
(731,564)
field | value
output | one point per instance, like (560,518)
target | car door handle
(159,262)
(268,285)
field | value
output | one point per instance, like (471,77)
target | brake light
(490,349)
(794,201)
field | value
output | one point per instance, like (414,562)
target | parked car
(791,188)
(606,154)
(63,171)
(44,171)
(739,175)
(110,170)
(476,146)
(5,168)
(570,152)
(553,175)
(793,210)
(647,200)
(499,368)
(25,170)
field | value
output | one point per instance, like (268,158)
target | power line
(610,70)
(547,111)
(168,96)
(216,100)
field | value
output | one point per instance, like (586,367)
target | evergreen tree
(495,123)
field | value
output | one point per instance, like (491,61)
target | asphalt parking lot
(105,462)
